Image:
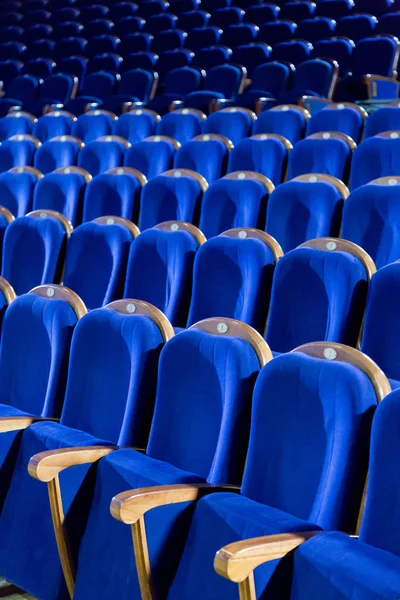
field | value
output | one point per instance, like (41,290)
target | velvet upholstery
(112,194)
(267,156)
(375,157)
(55,154)
(208,157)
(16,192)
(92,125)
(16,153)
(135,126)
(14,125)
(290,123)
(159,271)
(150,159)
(345,120)
(37,242)
(381,120)
(96,260)
(234,124)
(62,192)
(327,156)
(316,295)
(182,126)
(99,156)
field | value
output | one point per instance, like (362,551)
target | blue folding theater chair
(307,207)
(203,37)
(56,89)
(115,192)
(16,123)
(383,119)
(315,77)
(96,259)
(41,239)
(206,154)
(127,25)
(18,151)
(62,191)
(339,49)
(223,17)
(104,153)
(178,83)
(319,292)
(161,22)
(356,26)
(172,455)
(183,124)
(193,19)
(136,125)
(93,125)
(293,51)
(233,123)
(328,153)
(153,155)
(133,86)
(263,153)
(236,200)
(238,266)
(315,29)
(19,91)
(275,32)
(240,35)
(371,219)
(214,56)
(297,11)
(53,124)
(57,153)
(169,40)
(376,157)
(16,189)
(97,88)
(251,56)
(287,120)
(334,9)
(115,353)
(175,195)
(269,80)
(343,117)
(135,42)
(40,67)
(222,82)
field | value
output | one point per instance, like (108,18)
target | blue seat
(191,358)
(59,88)
(103,154)
(375,157)
(275,32)
(153,7)
(116,407)
(93,125)
(297,11)
(223,17)
(12,50)
(278,500)
(315,29)
(135,42)
(18,151)
(315,77)
(115,192)
(327,153)
(290,121)
(133,86)
(383,119)
(65,14)
(53,124)
(181,6)
(161,22)
(202,37)
(152,156)
(293,51)
(206,154)
(38,239)
(319,293)
(213,56)
(251,56)
(58,152)
(126,25)
(67,29)
(108,62)
(136,125)
(20,90)
(71,46)
(269,80)
(338,49)
(39,67)
(178,83)
(263,153)
(233,123)
(168,40)
(259,15)
(99,44)
(41,49)
(175,195)
(193,19)
(307,207)
(232,276)
(370,219)
(389,23)
(147,61)
(63,192)
(377,8)
(97,88)
(345,118)
(335,9)
(9,70)
(173,59)
(75,65)
(16,189)
(224,81)
(123,9)
(92,12)
(160,268)
(15,123)
(183,124)
(96,259)
(12,33)
(239,35)
(237,200)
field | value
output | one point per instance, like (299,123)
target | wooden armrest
(45,466)
(17,423)
(129,507)
(237,561)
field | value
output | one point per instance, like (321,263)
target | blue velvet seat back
(346,120)
(135,126)
(209,158)
(34,353)
(383,119)
(375,157)
(39,243)
(15,153)
(265,156)
(382,323)
(181,126)
(167,198)
(371,219)
(289,123)
(230,203)
(316,295)
(116,356)
(99,156)
(232,277)
(54,155)
(16,192)
(61,192)
(299,211)
(202,408)
(328,156)
(150,159)
(160,271)
(92,125)
(10,126)
(381,520)
(52,125)
(233,124)
(96,261)
(112,194)
(308,452)
(375,55)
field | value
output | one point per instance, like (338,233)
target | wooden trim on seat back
(132,306)
(342,105)
(251,233)
(336,244)
(23,137)
(274,136)
(67,138)
(388,180)
(240,175)
(7,214)
(236,109)
(38,174)
(163,138)
(235,328)
(7,289)
(74,170)
(22,113)
(173,226)
(113,220)
(208,137)
(101,111)
(392,134)
(193,111)
(142,111)
(327,135)
(314,177)
(114,138)
(296,107)
(128,171)
(60,292)
(188,173)
(53,214)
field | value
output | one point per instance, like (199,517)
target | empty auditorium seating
(287,120)
(263,153)
(182,124)
(58,152)
(93,124)
(152,156)
(222,82)
(383,119)
(102,154)
(375,157)
(178,83)
(345,118)
(16,189)
(53,124)
(136,125)
(96,259)
(207,154)
(233,123)
(18,151)
(15,123)
(41,236)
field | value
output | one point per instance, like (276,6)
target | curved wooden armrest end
(45,466)
(237,561)
(129,507)
(17,423)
